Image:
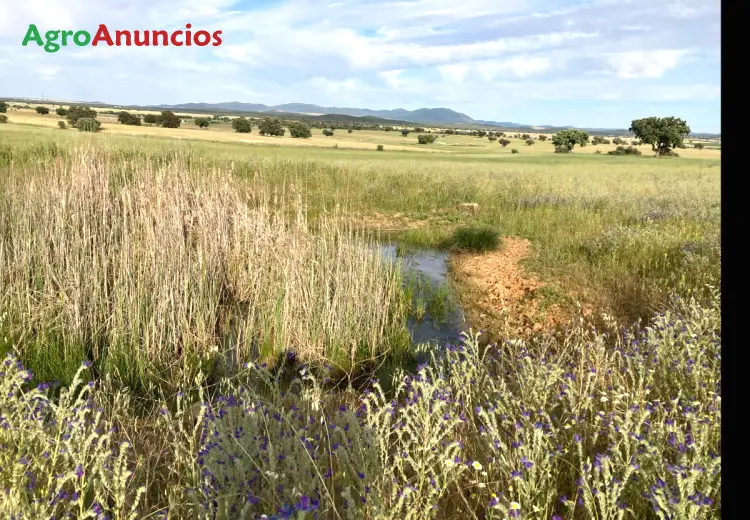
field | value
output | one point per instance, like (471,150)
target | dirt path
(500,297)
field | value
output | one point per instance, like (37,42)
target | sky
(585,63)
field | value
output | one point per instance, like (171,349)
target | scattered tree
(492,138)
(542,137)
(504,142)
(569,138)
(4,118)
(75,112)
(42,110)
(271,126)
(618,140)
(242,125)
(380,148)
(481,133)
(62,125)
(126,118)
(662,133)
(699,146)
(327,132)
(426,138)
(622,150)
(388,128)
(405,132)
(525,137)
(349,131)
(60,111)
(169,119)
(151,119)
(3,107)
(87,124)
(298,129)
(636,143)
(514,151)
(529,142)
(202,122)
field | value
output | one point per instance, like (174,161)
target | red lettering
(102,34)
(119,35)
(138,42)
(217,37)
(188,35)
(164,38)
(202,34)
(173,39)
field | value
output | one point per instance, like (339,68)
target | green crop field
(246,345)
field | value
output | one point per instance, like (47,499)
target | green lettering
(65,35)
(32,34)
(51,46)
(86,38)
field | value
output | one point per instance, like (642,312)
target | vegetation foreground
(245,351)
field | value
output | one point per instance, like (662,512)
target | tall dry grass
(151,269)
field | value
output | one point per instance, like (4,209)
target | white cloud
(645,64)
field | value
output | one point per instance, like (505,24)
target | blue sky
(590,63)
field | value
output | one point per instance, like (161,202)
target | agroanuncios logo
(53,40)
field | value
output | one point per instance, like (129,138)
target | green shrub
(242,125)
(623,150)
(75,112)
(562,149)
(169,119)
(300,130)
(202,122)
(62,125)
(3,118)
(349,131)
(699,146)
(151,119)
(405,132)
(3,107)
(426,138)
(328,132)
(529,142)
(380,148)
(504,142)
(126,118)
(475,239)
(60,111)
(87,124)
(514,150)
(42,110)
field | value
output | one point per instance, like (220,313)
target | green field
(158,256)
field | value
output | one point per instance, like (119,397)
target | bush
(475,238)
(514,150)
(62,125)
(426,138)
(491,138)
(542,137)
(169,119)
(126,118)
(327,132)
(3,107)
(562,149)
(388,128)
(525,137)
(151,119)
(622,150)
(60,111)
(504,142)
(597,139)
(242,125)
(202,122)
(529,142)
(404,132)
(42,110)
(699,146)
(298,129)
(75,112)
(271,126)
(380,148)
(481,133)
(87,124)
(598,152)
(3,118)
(618,140)
(349,131)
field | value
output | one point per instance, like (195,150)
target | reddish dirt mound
(501,298)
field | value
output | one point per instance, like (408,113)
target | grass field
(156,256)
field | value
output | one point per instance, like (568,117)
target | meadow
(245,346)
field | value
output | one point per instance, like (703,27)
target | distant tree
(169,119)
(501,134)
(514,151)
(426,138)
(491,138)
(327,132)
(525,137)
(271,126)
(60,111)
(202,122)
(87,124)
(529,142)
(75,112)
(4,118)
(42,110)
(380,148)
(504,142)
(598,139)
(542,137)
(636,143)
(242,125)
(623,150)
(62,125)
(571,137)
(618,140)
(298,129)
(405,132)
(388,128)
(349,131)
(699,146)
(126,118)
(3,107)
(418,129)
(481,133)
(662,133)
(151,119)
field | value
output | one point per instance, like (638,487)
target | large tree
(242,125)
(271,126)
(169,119)
(571,137)
(76,112)
(662,133)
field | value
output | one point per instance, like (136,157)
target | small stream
(430,270)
